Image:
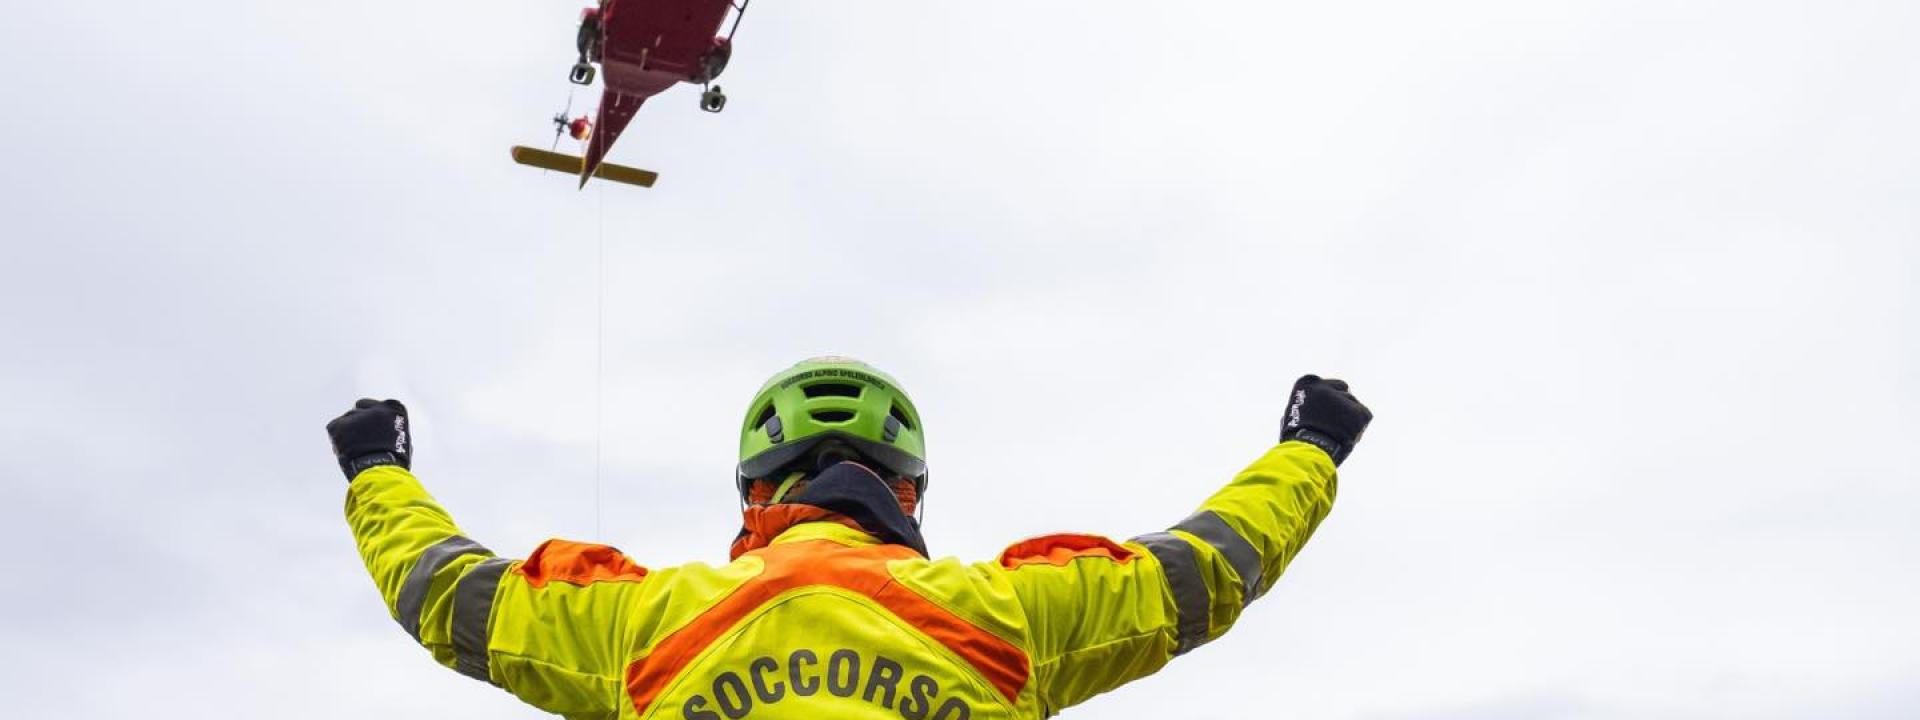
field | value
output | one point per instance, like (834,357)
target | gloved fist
(1323,413)
(373,433)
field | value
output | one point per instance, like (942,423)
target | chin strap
(780,493)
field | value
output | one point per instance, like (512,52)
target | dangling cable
(599,347)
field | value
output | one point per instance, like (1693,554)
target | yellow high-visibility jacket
(825,619)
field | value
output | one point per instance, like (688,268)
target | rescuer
(831,606)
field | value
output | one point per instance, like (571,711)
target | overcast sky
(1630,285)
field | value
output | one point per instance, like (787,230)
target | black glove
(373,433)
(1323,413)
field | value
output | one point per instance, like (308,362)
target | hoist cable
(599,348)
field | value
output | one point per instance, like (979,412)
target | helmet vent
(832,390)
(832,416)
(766,413)
(901,416)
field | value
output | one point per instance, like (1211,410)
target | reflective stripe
(1190,597)
(413,592)
(472,606)
(1208,526)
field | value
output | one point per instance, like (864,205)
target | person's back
(831,607)
(827,622)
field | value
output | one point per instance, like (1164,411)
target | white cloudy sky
(1630,285)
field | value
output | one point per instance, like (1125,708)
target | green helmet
(831,402)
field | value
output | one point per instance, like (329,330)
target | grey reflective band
(1326,443)
(1239,553)
(472,607)
(413,591)
(1190,597)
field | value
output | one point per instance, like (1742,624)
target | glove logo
(1293,412)
(400,434)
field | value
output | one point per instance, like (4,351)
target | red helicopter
(643,47)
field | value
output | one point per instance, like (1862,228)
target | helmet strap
(780,493)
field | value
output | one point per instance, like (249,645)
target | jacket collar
(847,494)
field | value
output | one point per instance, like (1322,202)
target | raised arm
(548,629)
(1101,614)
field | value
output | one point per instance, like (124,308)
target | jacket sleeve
(1101,614)
(548,629)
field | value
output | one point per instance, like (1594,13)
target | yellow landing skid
(570,164)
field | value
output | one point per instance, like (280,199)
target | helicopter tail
(616,110)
